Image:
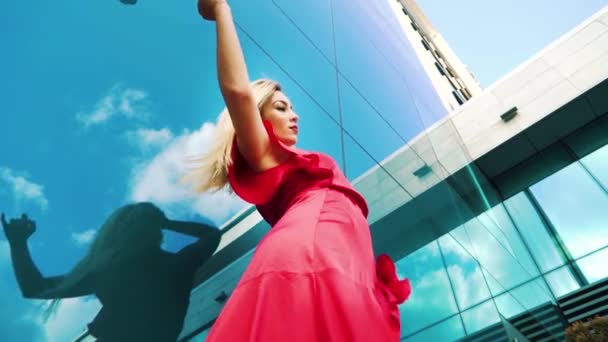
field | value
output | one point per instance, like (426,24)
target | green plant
(595,330)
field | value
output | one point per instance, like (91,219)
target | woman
(144,291)
(313,276)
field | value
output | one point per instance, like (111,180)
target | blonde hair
(211,174)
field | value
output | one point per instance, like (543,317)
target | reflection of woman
(313,277)
(144,291)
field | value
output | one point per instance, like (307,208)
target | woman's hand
(207,8)
(18,230)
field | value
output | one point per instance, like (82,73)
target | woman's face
(279,112)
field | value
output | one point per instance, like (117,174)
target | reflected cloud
(158,179)
(83,238)
(23,189)
(72,315)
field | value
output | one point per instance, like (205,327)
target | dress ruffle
(246,183)
(395,291)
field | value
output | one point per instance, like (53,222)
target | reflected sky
(507,260)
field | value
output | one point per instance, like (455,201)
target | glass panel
(376,136)
(288,48)
(523,298)
(562,281)
(464,273)
(379,79)
(501,254)
(594,266)
(432,298)
(597,163)
(500,226)
(382,193)
(480,317)
(576,206)
(534,232)
(319,30)
(448,330)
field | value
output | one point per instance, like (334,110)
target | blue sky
(102,101)
(493,37)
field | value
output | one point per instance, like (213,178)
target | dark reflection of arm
(31,281)
(199,251)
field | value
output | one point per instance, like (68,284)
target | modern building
(494,202)
(454,83)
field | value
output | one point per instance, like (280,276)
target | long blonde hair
(211,172)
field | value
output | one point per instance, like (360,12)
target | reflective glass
(597,163)
(375,136)
(504,262)
(480,316)
(374,83)
(594,266)
(523,298)
(464,272)
(287,48)
(432,298)
(448,330)
(561,281)
(535,233)
(319,30)
(574,202)
(499,225)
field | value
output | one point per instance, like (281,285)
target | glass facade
(530,250)
(352,75)
(361,95)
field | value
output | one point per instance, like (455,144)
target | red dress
(313,277)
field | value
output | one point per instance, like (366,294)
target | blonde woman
(313,277)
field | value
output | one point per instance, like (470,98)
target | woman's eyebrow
(284,102)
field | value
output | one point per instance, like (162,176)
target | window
(576,206)
(451,72)
(440,69)
(464,95)
(594,266)
(432,300)
(426,45)
(458,98)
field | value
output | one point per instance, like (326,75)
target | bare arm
(31,281)
(198,252)
(199,230)
(252,138)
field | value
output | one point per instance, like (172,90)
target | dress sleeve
(256,187)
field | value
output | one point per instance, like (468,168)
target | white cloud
(24,189)
(158,180)
(83,238)
(119,101)
(146,139)
(129,98)
(71,319)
